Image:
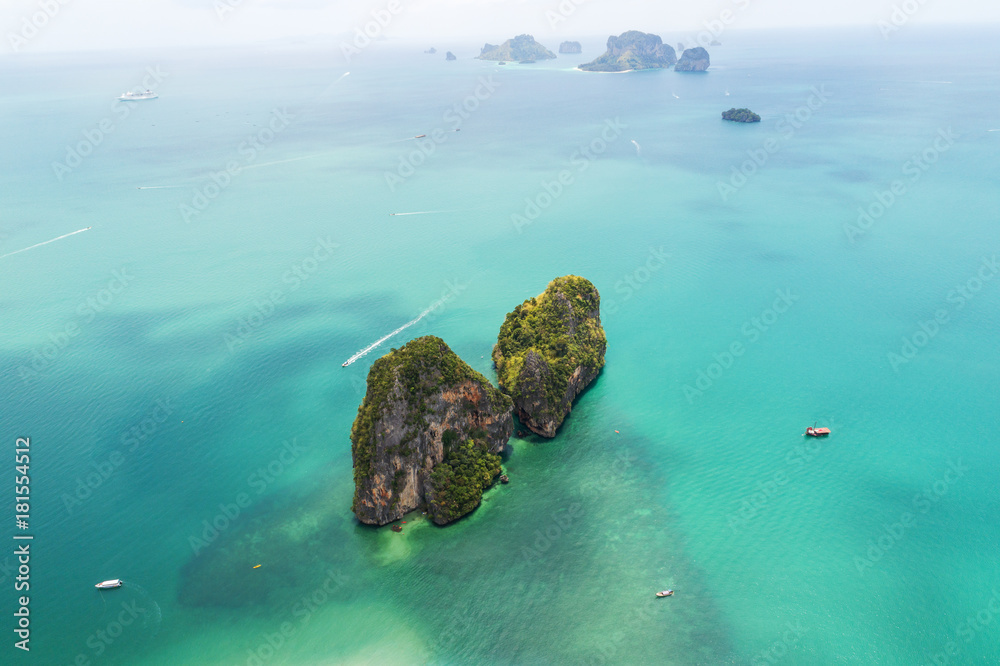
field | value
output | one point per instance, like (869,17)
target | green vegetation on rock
(520,49)
(458,482)
(741,116)
(549,348)
(420,400)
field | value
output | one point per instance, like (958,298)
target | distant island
(740,116)
(570,47)
(450,56)
(431,50)
(520,49)
(633,50)
(693,60)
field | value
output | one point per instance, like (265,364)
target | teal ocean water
(178,366)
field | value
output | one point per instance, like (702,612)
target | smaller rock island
(693,60)
(431,50)
(570,47)
(519,49)
(740,116)
(549,349)
(450,56)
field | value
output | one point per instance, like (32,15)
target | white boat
(138,96)
(109,584)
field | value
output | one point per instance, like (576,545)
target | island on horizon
(522,48)
(633,50)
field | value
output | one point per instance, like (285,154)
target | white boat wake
(638,148)
(10,254)
(291,159)
(158,187)
(425,212)
(399,330)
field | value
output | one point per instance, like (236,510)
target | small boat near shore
(665,593)
(109,584)
(813,431)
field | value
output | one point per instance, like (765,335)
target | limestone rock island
(549,349)
(520,49)
(450,56)
(428,434)
(570,47)
(740,116)
(633,50)
(693,60)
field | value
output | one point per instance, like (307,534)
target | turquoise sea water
(203,371)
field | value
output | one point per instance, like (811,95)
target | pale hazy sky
(110,24)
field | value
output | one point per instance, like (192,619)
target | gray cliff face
(693,60)
(533,407)
(397,437)
(548,350)
(645,46)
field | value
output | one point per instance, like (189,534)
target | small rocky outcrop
(633,50)
(570,47)
(518,49)
(431,50)
(740,116)
(693,60)
(450,56)
(549,349)
(428,433)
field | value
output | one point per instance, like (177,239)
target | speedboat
(346,364)
(665,593)
(813,431)
(138,96)
(109,584)
(420,136)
